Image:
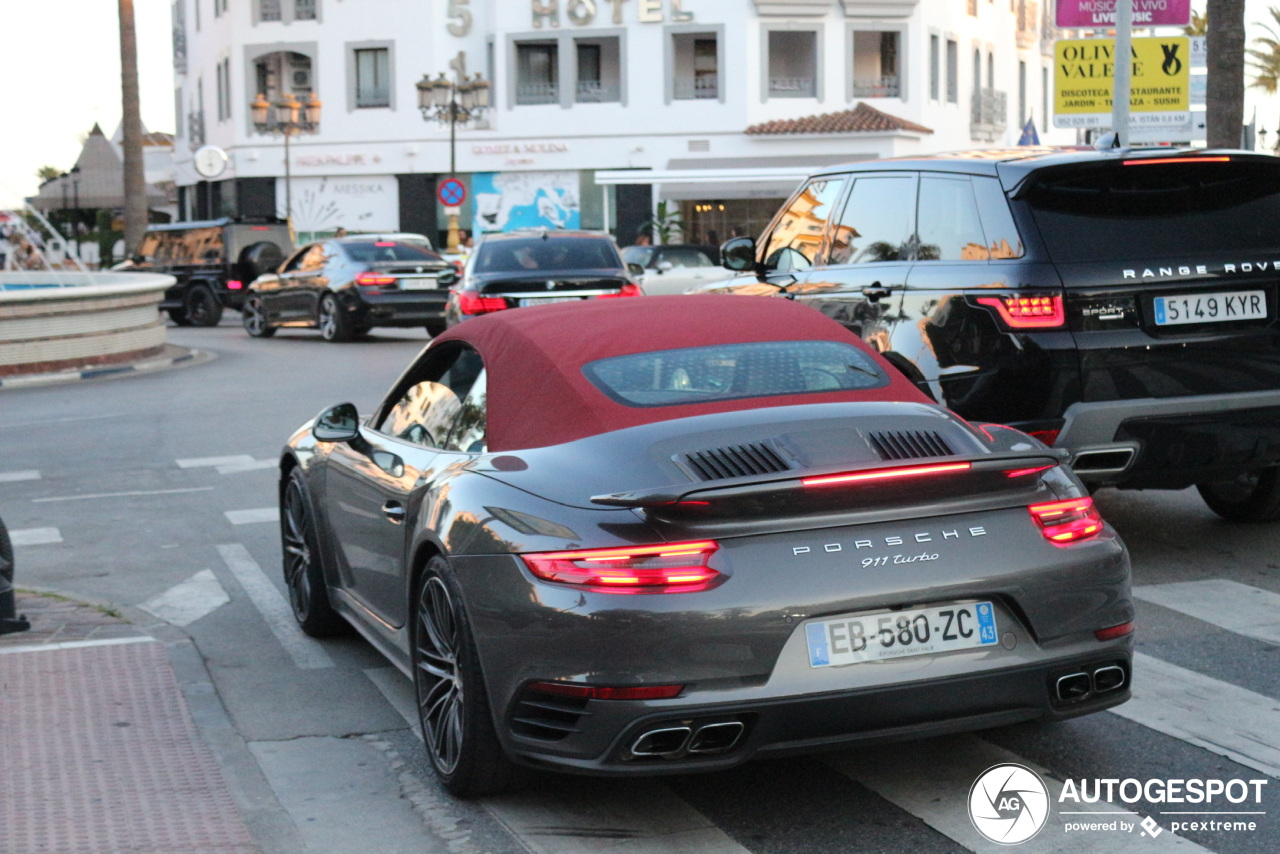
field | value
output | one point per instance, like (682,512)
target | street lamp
(453,103)
(287,117)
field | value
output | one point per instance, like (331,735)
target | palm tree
(1199,24)
(1224,92)
(135,183)
(1264,58)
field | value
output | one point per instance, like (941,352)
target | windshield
(515,255)
(733,371)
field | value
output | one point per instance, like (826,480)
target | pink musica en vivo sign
(1074,14)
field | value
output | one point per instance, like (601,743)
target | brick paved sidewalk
(100,750)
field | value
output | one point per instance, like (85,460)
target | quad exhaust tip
(677,742)
(1075,687)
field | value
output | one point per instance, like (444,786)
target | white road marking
(42,647)
(121,494)
(1235,607)
(198,462)
(932,782)
(1209,713)
(15,476)
(35,536)
(184,603)
(251,465)
(249,517)
(307,653)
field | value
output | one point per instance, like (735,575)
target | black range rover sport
(1120,304)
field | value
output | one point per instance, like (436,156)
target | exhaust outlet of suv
(1103,460)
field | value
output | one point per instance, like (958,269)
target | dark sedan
(721,528)
(519,269)
(346,286)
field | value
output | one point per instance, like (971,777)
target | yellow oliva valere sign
(1159,90)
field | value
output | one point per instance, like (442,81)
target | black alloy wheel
(453,705)
(254,317)
(179,317)
(303,572)
(202,307)
(1252,497)
(333,322)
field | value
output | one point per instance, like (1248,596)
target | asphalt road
(157,491)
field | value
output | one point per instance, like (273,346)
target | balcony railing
(886,86)
(699,87)
(596,92)
(989,116)
(791,87)
(538,93)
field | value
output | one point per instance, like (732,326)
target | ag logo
(1008,804)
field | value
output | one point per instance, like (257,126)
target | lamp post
(287,117)
(454,103)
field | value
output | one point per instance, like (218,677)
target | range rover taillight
(1041,311)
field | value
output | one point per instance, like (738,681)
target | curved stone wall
(55,321)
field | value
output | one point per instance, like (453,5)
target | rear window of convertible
(734,371)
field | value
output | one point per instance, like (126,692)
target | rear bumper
(1172,442)
(815,723)
(413,308)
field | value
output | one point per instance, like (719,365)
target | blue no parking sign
(452,192)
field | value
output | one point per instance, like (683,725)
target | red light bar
(667,568)
(1027,471)
(607,692)
(258,228)
(1070,521)
(1046,436)
(630,289)
(885,474)
(1029,312)
(373,280)
(1148,162)
(1114,632)
(384,243)
(234,284)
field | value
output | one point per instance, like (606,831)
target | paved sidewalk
(100,750)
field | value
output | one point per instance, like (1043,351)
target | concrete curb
(173,356)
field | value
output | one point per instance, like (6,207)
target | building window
(284,72)
(223,69)
(537,73)
(598,69)
(875,65)
(935,70)
(304,10)
(373,78)
(793,64)
(696,65)
(286,11)
(953,72)
(269,10)
(1022,92)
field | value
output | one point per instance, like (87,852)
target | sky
(62,74)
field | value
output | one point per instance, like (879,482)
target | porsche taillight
(1028,312)
(1065,522)
(667,568)
(609,692)
(471,303)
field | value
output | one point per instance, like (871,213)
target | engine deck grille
(909,444)
(735,461)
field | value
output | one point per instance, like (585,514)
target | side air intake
(909,444)
(734,461)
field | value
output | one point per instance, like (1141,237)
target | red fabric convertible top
(538,395)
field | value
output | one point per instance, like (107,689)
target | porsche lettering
(921,537)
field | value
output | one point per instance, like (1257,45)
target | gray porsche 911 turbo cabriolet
(672,534)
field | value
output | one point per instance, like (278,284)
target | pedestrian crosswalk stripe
(1209,713)
(184,603)
(1227,604)
(35,536)
(200,462)
(251,465)
(15,476)
(932,782)
(307,653)
(249,517)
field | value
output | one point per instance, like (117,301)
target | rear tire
(453,703)
(1253,497)
(254,318)
(179,317)
(202,307)
(333,321)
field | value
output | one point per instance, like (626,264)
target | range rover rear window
(1120,212)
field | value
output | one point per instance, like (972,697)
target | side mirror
(635,269)
(339,423)
(738,254)
(664,266)
(447,279)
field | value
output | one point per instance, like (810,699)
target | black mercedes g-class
(1120,303)
(213,260)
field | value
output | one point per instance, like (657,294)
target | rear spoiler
(1011,465)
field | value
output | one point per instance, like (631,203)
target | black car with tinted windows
(346,286)
(212,262)
(1120,303)
(522,268)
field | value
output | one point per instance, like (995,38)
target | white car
(675,268)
